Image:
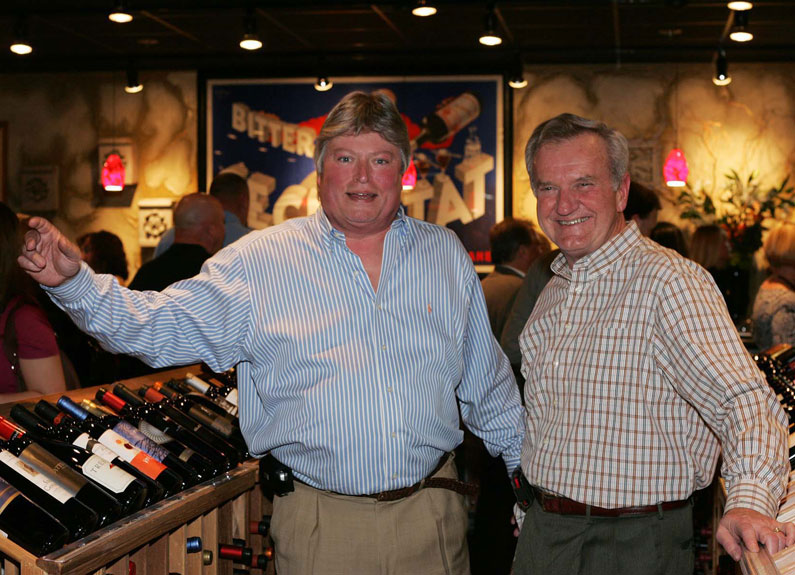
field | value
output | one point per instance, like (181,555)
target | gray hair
(568,126)
(359,112)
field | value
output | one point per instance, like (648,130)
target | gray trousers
(656,544)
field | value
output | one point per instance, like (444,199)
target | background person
(232,191)
(643,207)
(774,306)
(30,362)
(358,333)
(104,252)
(636,381)
(670,236)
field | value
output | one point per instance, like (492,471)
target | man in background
(232,191)
(198,234)
(643,207)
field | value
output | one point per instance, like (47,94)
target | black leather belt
(565,506)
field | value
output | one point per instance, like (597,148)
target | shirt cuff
(749,494)
(75,287)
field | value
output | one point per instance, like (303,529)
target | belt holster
(275,478)
(522,490)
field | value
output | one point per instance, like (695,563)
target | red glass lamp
(675,169)
(113,173)
(410,177)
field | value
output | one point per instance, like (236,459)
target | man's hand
(748,527)
(47,255)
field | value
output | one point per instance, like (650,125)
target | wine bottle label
(34,476)
(106,474)
(153,433)
(186,454)
(459,112)
(7,495)
(140,441)
(212,420)
(147,465)
(197,383)
(47,464)
(88,443)
(231,397)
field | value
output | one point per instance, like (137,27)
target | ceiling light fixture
(423,9)
(739,31)
(490,36)
(721,77)
(120,14)
(740,6)
(133,85)
(323,84)
(516,80)
(250,39)
(21,45)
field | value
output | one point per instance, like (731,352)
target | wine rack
(153,541)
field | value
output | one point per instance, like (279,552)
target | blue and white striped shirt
(355,389)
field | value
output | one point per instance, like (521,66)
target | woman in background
(774,306)
(104,253)
(670,236)
(710,247)
(30,364)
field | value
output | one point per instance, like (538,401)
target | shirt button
(567,324)
(378,306)
(393,434)
(556,363)
(394,476)
(389,389)
(383,347)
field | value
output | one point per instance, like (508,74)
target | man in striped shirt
(636,382)
(359,333)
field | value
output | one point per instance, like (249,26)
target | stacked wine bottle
(67,469)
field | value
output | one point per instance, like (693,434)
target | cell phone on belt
(275,477)
(521,489)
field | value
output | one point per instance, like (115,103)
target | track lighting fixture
(120,14)
(490,37)
(516,80)
(721,77)
(423,8)
(21,45)
(739,6)
(250,39)
(739,31)
(323,84)
(133,85)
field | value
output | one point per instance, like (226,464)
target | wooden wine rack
(153,540)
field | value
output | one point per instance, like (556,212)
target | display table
(153,540)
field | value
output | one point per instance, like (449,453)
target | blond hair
(780,245)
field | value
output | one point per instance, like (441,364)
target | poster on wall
(264,130)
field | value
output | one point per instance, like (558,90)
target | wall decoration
(644,162)
(3,160)
(265,130)
(123,147)
(39,189)
(155,216)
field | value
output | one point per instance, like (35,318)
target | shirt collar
(330,234)
(603,258)
(509,269)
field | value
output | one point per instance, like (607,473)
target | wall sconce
(117,164)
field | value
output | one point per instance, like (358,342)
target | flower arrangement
(740,208)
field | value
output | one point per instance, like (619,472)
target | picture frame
(264,130)
(39,190)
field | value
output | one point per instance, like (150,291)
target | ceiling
(304,37)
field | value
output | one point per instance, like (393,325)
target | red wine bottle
(107,508)
(27,524)
(116,482)
(55,499)
(245,555)
(182,442)
(225,398)
(148,465)
(210,436)
(67,432)
(131,434)
(176,386)
(199,412)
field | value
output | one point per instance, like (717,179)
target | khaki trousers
(318,532)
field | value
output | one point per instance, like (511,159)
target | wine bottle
(131,434)
(107,508)
(67,432)
(118,483)
(55,499)
(245,555)
(171,481)
(226,399)
(198,412)
(208,434)
(27,524)
(260,527)
(178,387)
(203,458)
(448,119)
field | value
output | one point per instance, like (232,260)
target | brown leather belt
(429,482)
(565,506)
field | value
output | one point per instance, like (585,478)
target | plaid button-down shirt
(636,378)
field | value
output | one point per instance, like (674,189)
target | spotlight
(490,36)
(516,79)
(133,85)
(250,39)
(423,9)
(740,6)
(721,77)
(21,48)
(120,14)
(21,44)
(739,31)
(323,84)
